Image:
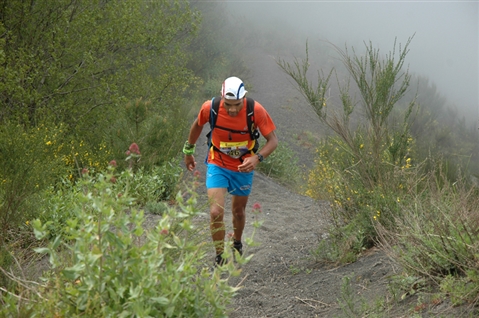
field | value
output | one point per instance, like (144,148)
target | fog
(445,47)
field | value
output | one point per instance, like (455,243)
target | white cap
(233,88)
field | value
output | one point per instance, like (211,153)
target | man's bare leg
(217,211)
(239,215)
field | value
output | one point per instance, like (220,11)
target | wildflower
(49,143)
(84,171)
(127,152)
(164,232)
(113,180)
(257,207)
(134,148)
(361,146)
(112,163)
(408,163)
(120,195)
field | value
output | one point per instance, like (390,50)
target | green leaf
(38,229)
(73,272)
(163,301)
(42,250)
(56,242)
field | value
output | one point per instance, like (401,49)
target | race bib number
(234,149)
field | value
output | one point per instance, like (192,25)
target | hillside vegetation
(95,103)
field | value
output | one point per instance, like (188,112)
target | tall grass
(357,169)
(436,236)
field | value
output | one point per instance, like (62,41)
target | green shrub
(436,235)
(57,203)
(108,265)
(80,154)
(31,159)
(152,185)
(356,206)
(158,131)
(359,169)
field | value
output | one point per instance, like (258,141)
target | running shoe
(219,260)
(237,245)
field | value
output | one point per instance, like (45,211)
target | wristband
(189,149)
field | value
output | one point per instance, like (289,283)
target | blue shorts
(237,183)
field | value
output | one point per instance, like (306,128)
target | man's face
(233,106)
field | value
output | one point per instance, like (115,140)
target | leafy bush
(152,185)
(61,94)
(93,70)
(57,203)
(31,159)
(158,131)
(108,265)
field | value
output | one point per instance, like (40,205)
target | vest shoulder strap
(215,106)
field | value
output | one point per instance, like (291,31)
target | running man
(231,158)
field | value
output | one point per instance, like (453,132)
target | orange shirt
(227,141)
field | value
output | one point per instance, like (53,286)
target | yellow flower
(49,143)
(361,146)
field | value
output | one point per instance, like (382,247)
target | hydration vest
(252,130)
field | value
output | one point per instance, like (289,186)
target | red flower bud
(257,207)
(134,148)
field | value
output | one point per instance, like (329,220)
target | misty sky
(445,47)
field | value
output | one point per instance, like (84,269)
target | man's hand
(190,162)
(248,164)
